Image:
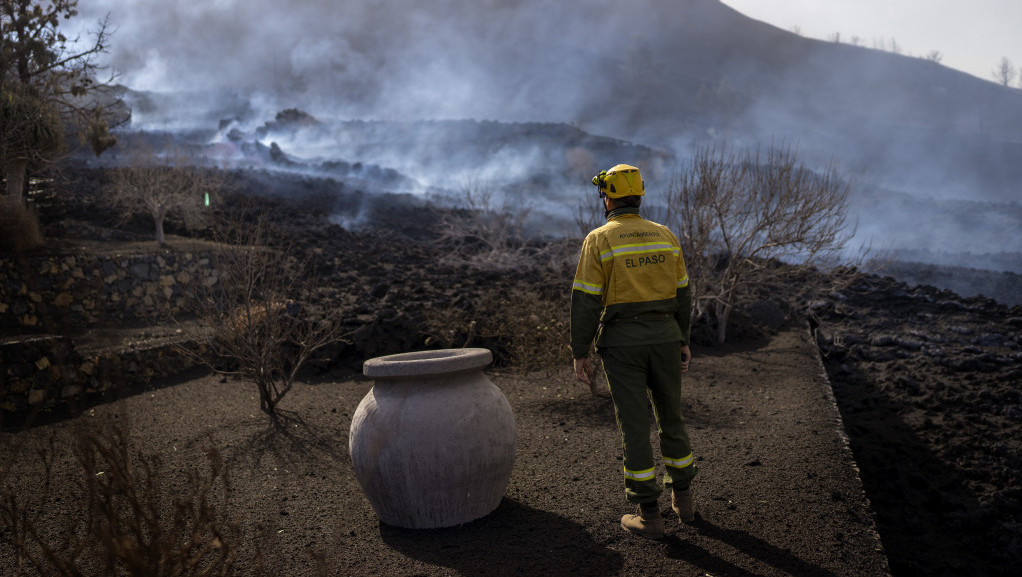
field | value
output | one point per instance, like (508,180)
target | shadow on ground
(745,544)
(489,546)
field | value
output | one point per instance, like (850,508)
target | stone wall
(69,293)
(52,307)
(43,371)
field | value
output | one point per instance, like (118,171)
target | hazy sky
(972,35)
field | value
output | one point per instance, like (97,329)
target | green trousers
(641,376)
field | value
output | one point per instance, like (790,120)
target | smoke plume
(670,74)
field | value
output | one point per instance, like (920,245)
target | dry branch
(739,212)
(263,316)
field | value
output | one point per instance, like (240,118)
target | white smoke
(391,59)
(635,70)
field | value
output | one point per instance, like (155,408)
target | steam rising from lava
(629,70)
(392,59)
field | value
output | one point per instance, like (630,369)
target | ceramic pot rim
(435,362)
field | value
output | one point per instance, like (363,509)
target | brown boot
(646,522)
(681,503)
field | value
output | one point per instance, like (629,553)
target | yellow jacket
(631,287)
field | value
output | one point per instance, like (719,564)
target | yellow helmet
(620,181)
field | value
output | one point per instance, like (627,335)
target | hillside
(905,121)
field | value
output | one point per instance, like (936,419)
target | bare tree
(1004,73)
(264,313)
(935,56)
(157,185)
(737,212)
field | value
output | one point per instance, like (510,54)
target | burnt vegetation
(113,511)
(926,379)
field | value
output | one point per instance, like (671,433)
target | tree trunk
(158,220)
(14,171)
(723,312)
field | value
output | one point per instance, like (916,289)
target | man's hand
(686,357)
(584,371)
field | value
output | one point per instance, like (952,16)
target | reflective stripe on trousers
(641,376)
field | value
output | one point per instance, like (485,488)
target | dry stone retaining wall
(74,292)
(50,305)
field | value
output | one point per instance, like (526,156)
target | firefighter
(631,295)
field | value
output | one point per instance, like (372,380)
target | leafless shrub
(157,185)
(740,212)
(122,519)
(20,525)
(143,530)
(264,314)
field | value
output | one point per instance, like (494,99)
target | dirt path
(777,493)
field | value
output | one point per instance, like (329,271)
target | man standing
(631,294)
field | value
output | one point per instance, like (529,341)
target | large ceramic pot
(433,442)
